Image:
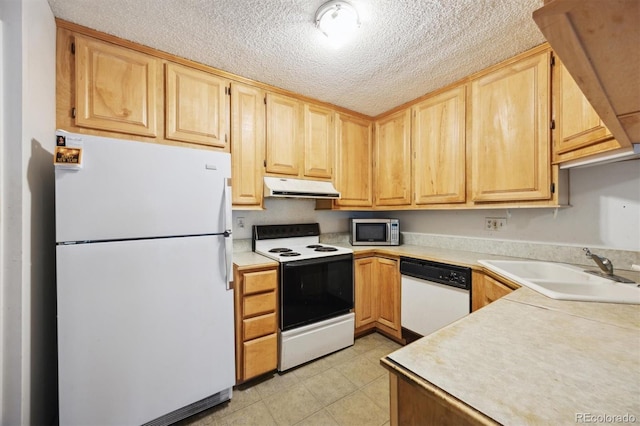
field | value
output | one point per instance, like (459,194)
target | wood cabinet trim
(531,52)
(60,23)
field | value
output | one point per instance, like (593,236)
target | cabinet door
(354,171)
(486,290)
(319,141)
(247,145)
(510,150)
(115,88)
(579,131)
(365,291)
(438,138)
(260,356)
(196,106)
(392,160)
(388,277)
(283,133)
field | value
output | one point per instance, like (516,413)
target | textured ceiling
(403,49)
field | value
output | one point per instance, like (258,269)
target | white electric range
(316,292)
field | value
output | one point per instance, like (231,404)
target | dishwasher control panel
(455,276)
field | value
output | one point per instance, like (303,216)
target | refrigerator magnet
(67,157)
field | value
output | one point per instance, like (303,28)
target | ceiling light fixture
(338,20)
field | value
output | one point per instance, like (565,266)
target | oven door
(315,289)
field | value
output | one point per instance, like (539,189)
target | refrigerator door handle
(228,239)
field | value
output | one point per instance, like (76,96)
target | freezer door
(128,189)
(144,328)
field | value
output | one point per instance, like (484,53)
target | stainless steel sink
(564,282)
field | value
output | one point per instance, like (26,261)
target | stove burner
(323,248)
(279,250)
(289,254)
(314,246)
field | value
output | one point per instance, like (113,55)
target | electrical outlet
(495,223)
(240,222)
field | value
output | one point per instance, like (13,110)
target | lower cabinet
(256,321)
(411,404)
(485,289)
(377,295)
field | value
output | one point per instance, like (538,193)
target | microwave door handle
(388,232)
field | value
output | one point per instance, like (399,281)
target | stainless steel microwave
(374,232)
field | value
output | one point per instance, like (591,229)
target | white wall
(292,210)
(604,212)
(27,233)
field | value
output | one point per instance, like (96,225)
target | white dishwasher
(433,294)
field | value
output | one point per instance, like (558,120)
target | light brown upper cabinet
(283,135)
(598,42)
(247,145)
(197,106)
(509,139)
(392,160)
(353,162)
(438,138)
(579,131)
(115,88)
(319,141)
(300,138)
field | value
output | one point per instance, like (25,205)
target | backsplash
(622,259)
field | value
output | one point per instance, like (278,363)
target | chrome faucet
(602,262)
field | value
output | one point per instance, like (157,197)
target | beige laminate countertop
(528,359)
(249,259)
(456,257)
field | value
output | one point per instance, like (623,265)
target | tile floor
(348,387)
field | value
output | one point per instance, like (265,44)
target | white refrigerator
(144,281)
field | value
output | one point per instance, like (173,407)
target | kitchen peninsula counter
(526,359)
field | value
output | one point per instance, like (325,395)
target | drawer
(258,326)
(260,356)
(256,282)
(259,304)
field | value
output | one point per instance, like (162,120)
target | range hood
(299,188)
